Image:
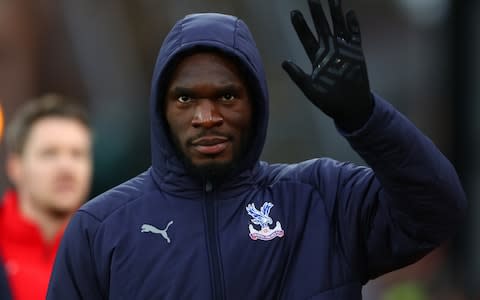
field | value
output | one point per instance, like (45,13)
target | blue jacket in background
(319,229)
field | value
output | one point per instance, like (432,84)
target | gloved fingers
(320,21)
(353,27)
(298,76)
(338,20)
(305,35)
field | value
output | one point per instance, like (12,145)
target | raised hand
(338,83)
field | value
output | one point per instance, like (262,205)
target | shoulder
(116,198)
(313,171)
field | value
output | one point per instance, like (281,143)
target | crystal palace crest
(261,217)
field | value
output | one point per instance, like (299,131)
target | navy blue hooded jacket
(319,229)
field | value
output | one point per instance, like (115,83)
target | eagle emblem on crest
(261,217)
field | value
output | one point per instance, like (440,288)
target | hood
(224,33)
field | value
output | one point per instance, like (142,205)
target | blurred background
(422,56)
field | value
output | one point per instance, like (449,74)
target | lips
(65,184)
(210,144)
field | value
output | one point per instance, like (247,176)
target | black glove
(338,84)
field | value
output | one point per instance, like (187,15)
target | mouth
(210,145)
(65,184)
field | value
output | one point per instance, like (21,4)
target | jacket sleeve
(74,275)
(404,206)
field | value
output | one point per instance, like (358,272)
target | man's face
(53,172)
(209,112)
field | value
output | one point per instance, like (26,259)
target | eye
(80,153)
(228,97)
(48,153)
(184,99)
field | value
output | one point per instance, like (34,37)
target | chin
(66,206)
(61,212)
(214,170)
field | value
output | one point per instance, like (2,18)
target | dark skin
(209,113)
(338,85)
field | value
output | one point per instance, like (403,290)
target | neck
(49,224)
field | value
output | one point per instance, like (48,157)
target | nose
(206,115)
(66,160)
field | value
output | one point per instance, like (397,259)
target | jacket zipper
(213,247)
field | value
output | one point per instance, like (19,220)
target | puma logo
(153,229)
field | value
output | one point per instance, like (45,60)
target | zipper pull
(208,186)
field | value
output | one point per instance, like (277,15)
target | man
(49,165)
(208,220)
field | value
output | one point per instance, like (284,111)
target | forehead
(206,67)
(58,130)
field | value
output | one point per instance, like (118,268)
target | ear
(14,168)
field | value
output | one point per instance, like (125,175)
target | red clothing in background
(27,257)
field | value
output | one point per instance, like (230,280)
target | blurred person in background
(209,220)
(49,164)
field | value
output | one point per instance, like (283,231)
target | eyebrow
(179,91)
(228,88)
